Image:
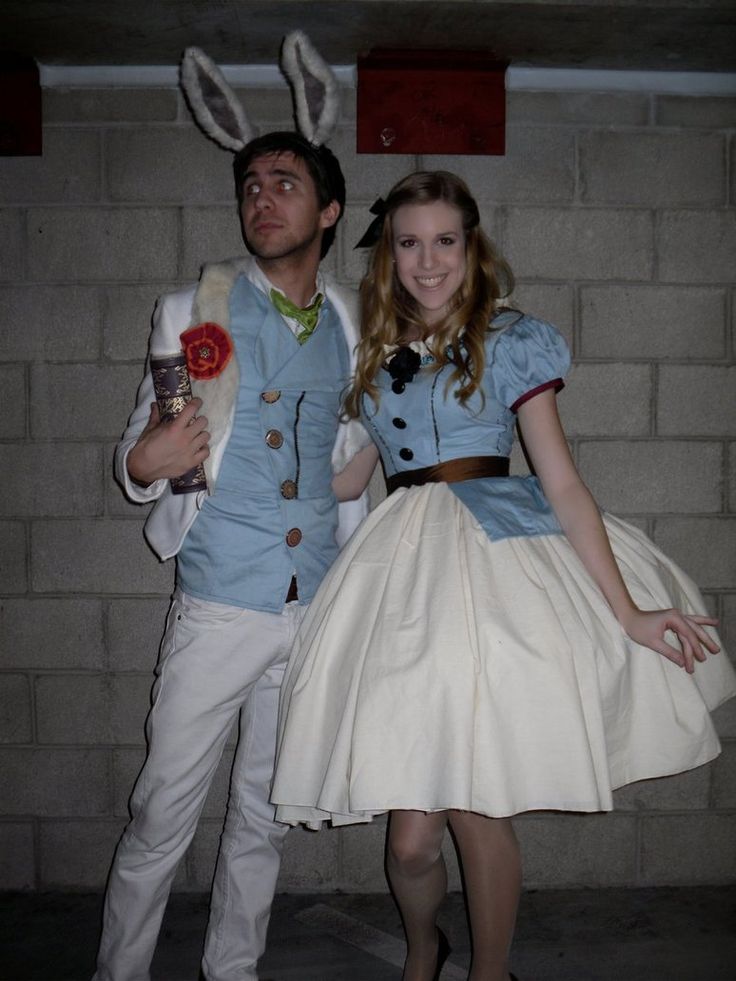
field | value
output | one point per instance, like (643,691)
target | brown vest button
(288,489)
(271,397)
(274,439)
(293,537)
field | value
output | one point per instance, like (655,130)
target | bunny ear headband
(220,114)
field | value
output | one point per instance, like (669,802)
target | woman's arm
(350,483)
(580,519)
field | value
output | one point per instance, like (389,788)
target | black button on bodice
(399,423)
(397,387)
(406,453)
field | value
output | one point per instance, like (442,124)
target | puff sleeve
(527,357)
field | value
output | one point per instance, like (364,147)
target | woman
(476,651)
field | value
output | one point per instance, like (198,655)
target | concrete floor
(686,934)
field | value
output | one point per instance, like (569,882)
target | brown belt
(292,594)
(451,471)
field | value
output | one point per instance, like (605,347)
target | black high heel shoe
(443,952)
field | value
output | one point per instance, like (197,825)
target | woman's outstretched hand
(648,628)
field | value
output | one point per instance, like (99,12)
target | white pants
(216,661)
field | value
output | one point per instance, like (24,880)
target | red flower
(208,349)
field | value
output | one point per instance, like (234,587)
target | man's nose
(263,200)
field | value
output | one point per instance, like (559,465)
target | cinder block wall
(617,213)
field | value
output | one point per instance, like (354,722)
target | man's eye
(286,185)
(252,189)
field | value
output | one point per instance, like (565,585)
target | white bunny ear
(316,96)
(215,107)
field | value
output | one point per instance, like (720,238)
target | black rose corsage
(402,367)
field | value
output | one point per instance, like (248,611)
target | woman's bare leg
(418,878)
(492,871)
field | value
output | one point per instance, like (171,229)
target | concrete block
(688,791)
(16,721)
(37,323)
(271,108)
(310,861)
(652,322)
(109,105)
(731,505)
(98,244)
(126,765)
(82,401)
(724,777)
(728,621)
(573,850)
(580,243)
(688,849)
(653,169)
(696,246)
(12,243)
(724,719)
(208,235)
(134,631)
(696,400)
(17,866)
(127,312)
(13,568)
(590,404)
(368,175)
(362,857)
(537,168)
(67,172)
(51,633)
(547,301)
(50,479)
(96,557)
(354,262)
(76,854)
(578,108)
(165,165)
(702,546)
(216,803)
(653,476)
(13,387)
(705,111)
(53,782)
(92,709)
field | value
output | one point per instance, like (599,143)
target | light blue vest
(273,513)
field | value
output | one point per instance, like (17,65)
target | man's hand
(169,449)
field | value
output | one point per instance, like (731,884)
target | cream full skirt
(438,669)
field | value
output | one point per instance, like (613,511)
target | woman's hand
(648,628)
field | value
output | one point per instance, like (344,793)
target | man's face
(280,211)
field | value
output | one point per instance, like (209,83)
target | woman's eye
(407,243)
(447,240)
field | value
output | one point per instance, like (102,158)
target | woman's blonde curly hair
(390,314)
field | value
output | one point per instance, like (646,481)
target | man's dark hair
(321,163)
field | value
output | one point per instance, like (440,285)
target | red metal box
(431,102)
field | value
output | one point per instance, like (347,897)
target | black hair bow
(373,231)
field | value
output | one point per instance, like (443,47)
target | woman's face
(429,252)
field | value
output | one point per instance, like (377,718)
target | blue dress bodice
(425,424)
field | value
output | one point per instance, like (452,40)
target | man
(250,553)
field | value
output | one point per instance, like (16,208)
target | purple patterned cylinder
(173,390)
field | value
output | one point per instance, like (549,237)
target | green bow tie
(306,316)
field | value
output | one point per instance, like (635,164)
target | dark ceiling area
(671,35)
